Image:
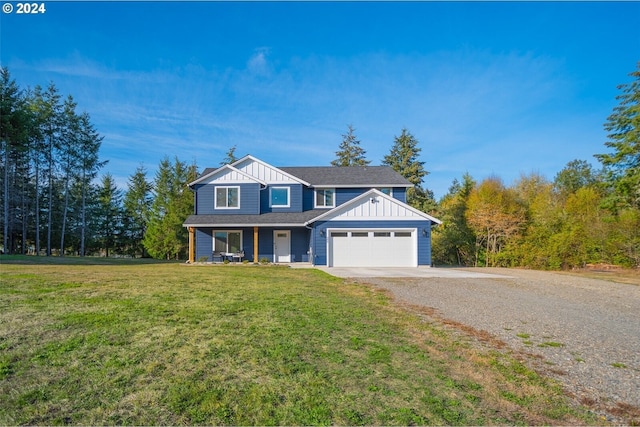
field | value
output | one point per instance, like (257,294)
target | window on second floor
(386,190)
(279,197)
(227,197)
(325,198)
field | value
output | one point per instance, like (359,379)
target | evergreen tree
(137,203)
(110,214)
(46,151)
(69,149)
(90,164)
(622,166)
(231,157)
(173,202)
(350,153)
(403,158)
(14,126)
(49,115)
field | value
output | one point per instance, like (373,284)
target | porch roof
(292,219)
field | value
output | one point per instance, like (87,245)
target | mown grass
(140,343)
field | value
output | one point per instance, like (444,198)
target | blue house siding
(249,199)
(204,241)
(295,199)
(344,195)
(299,242)
(319,236)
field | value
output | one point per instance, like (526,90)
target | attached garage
(379,247)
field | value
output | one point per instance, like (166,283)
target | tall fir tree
(350,153)
(89,164)
(173,202)
(403,158)
(137,203)
(622,166)
(230,158)
(14,127)
(69,150)
(110,214)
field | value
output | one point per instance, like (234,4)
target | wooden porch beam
(192,247)
(255,244)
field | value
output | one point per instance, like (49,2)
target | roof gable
(225,174)
(266,172)
(374,205)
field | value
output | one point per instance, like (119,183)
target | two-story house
(331,216)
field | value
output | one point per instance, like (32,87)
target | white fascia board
(236,225)
(223,168)
(265,164)
(358,186)
(346,206)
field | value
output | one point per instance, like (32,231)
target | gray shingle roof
(370,176)
(355,176)
(265,219)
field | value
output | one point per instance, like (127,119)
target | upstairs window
(325,198)
(386,190)
(279,197)
(227,197)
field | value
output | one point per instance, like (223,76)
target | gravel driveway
(586,330)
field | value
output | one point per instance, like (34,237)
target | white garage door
(372,248)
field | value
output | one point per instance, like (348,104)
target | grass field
(127,342)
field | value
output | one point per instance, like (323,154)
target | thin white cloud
(258,63)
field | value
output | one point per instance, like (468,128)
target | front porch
(273,244)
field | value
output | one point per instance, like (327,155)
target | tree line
(53,202)
(583,216)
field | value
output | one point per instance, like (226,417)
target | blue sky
(489,88)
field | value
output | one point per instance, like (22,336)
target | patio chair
(238,256)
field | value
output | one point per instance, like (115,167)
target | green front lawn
(145,343)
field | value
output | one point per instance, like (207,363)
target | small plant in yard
(156,343)
(618,365)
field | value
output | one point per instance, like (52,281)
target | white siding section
(227,176)
(374,207)
(264,172)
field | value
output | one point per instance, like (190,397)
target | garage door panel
(372,248)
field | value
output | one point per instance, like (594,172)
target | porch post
(192,251)
(255,244)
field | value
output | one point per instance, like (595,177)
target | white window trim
(213,240)
(390,190)
(288,205)
(215,196)
(315,198)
